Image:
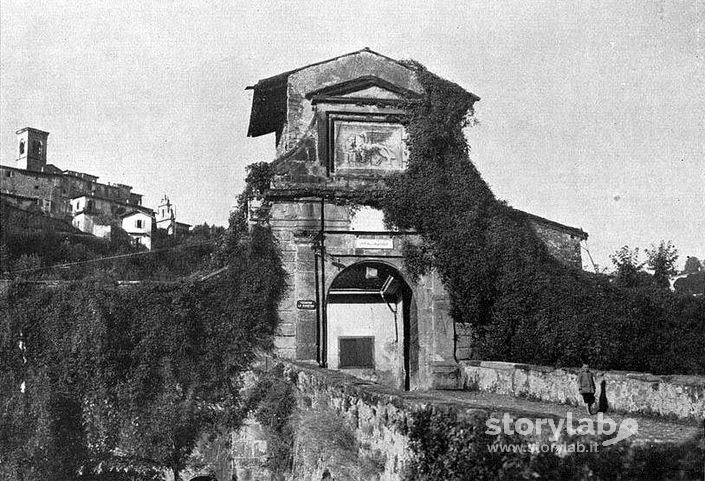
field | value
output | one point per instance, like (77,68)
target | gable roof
(269,98)
(574,231)
(283,77)
(116,202)
(269,101)
(136,211)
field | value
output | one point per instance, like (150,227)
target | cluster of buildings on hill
(76,197)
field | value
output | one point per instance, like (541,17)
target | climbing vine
(100,378)
(273,403)
(522,304)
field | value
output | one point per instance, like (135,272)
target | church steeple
(31,149)
(166,216)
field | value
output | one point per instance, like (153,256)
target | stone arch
(371,327)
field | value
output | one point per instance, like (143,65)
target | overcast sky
(592,113)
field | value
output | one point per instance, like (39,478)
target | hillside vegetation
(109,382)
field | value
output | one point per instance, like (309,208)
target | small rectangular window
(356,352)
(138,223)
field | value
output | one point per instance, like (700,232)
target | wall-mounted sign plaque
(373,242)
(306,304)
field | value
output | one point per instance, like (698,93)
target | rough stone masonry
(338,131)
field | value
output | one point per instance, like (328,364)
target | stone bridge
(667,409)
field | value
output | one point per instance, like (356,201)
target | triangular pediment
(374,92)
(369,87)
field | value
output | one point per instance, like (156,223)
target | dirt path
(651,430)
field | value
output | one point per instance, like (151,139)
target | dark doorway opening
(371,307)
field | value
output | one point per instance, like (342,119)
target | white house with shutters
(139,225)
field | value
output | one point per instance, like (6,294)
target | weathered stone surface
(373,414)
(57,189)
(321,166)
(288,256)
(306,335)
(378,414)
(445,375)
(285,343)
(286,329)
(681,397)
(564,246)
(287,304)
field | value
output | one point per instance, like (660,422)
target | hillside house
(51,187)
(139,224)
(93,207)
(99,216)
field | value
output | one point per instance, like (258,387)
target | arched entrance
(371,325)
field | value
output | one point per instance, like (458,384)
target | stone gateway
(338,133)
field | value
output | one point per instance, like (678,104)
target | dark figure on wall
(602,404)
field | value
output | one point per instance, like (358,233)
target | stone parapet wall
(374,412)
(379,414)
(679,397)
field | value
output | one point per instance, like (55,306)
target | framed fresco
(366,145)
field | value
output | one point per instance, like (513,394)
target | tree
(628,269)
(692,265)
(662,260)
(692,280)
(206,232)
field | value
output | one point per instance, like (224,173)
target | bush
(444,447)
(272,404)
(139,370)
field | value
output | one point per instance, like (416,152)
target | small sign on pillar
(306,304)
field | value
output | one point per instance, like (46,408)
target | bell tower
(31,149)
(166,217)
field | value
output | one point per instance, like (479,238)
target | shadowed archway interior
(372,325)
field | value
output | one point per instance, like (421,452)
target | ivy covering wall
(105,382)
(522,304)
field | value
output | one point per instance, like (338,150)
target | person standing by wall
(586,386)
